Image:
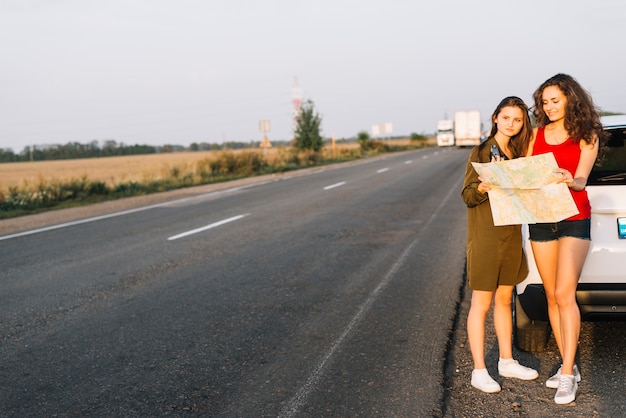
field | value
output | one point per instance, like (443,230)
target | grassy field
(111,170)
(114,170)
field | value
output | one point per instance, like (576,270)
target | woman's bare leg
(546,256)
(503,320)
(476,319)
(571,257)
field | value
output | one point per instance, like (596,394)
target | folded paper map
(525,191)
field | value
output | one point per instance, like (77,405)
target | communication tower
(297,102)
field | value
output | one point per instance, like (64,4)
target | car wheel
(529,335)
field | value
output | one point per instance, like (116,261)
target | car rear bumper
(596,301)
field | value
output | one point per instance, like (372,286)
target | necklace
(558,140)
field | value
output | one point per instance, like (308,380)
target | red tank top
(567,156)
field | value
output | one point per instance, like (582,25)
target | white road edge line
(163,204)
(382,170)
(79,222)
(332,186)
(124,212)
(204,228)
(294,404)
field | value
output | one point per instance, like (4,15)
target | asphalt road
(331,292)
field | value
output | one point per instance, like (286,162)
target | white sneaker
(566,392)
(553,381)
(511,368)
(482,381)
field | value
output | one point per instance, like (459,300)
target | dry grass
(36,186)
(137,168)
(111,170)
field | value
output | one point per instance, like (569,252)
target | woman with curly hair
(568,125)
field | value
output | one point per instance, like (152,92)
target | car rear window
(612,170)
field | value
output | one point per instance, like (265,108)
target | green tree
(417,137)
(363,138)
(307,135)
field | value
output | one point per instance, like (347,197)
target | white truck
(467,128)
(445,133)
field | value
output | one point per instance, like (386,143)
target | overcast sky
(181,71)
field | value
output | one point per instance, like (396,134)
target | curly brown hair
(582,118)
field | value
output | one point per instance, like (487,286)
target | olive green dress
(494,253)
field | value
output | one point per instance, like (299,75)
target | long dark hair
(519,143)
(582,118)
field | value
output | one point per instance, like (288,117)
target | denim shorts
(553,231)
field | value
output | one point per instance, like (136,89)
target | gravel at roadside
(523,398)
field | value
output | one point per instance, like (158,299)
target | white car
(601,292)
